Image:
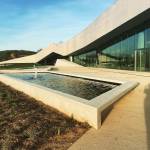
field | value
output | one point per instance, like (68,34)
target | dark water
(87,89)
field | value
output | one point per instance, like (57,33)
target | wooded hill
(11,54)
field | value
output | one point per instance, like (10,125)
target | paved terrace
(127,127)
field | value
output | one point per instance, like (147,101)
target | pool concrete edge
(65,104)
(81,110)
(107,99)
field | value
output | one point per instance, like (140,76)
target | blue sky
(33,24)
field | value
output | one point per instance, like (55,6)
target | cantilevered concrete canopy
(120,17)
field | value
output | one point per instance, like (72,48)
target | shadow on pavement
(147,113)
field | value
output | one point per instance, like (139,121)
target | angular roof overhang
(120,17)
(129,25)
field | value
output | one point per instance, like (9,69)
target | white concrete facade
(118,14)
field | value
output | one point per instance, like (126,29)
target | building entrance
(142,60)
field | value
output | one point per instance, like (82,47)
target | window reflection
(88,59)
(139,39)
(121,54)
(147,38)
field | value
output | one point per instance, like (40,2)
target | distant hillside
(11,54)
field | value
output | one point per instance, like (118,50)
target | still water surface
(84,88)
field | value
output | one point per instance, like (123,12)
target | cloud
(35,27)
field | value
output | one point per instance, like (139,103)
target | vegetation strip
(26,123)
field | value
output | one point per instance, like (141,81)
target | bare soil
(27,124)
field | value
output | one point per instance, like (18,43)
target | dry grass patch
(29,124)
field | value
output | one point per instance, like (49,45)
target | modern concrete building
(119,39)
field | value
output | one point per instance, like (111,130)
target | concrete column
(71,58)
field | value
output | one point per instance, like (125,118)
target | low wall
(81,109)
(63,102)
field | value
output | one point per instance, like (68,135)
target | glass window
(147,38)
(121,55)
(124,47)
(131,43)
(139,39)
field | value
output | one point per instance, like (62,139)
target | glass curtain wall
(87,59)
(131,51)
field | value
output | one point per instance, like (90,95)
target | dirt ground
(27,124)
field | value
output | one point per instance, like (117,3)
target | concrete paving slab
(127,127)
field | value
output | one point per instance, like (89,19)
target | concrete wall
(66,63)
(67,104)
(81,109)
(116,15)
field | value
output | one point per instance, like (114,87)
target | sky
(33,24)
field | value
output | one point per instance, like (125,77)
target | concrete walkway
(127,127)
